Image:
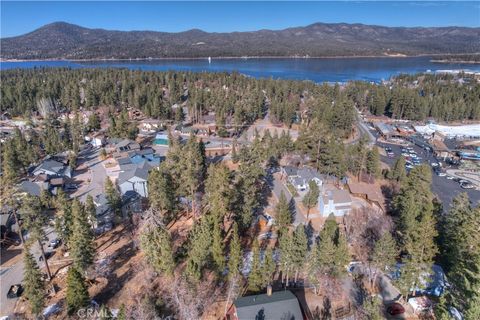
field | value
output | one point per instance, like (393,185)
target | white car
(434,164)
(449,177)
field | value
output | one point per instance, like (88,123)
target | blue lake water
(314,69)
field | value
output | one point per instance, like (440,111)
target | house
(30,187)
(134,177)
(53,168)
(386,130)
(127,145)
(300,177)
(336,202)
(277,305)
(138,156)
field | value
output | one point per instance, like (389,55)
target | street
(95,173)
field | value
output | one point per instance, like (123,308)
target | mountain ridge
(62,40)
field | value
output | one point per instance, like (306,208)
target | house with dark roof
(276,306)
(53,168)
(336,202)
(30,187)
(126,145)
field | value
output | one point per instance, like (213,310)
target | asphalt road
(95,172)
(14,274)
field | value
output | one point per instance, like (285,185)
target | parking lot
(444,188)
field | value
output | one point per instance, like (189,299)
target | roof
(279,305)
(50,165)
(308,173)
(290,171)
(140,171)
(338,196)
(384,128)
(30,187)
(57,181)
(372,191)
(126,145)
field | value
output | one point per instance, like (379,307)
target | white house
(337,202)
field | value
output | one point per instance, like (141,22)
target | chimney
(269,290)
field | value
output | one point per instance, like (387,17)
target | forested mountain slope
(61,40)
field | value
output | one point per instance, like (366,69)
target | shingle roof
(51,165)
(30,188)
(280,305)
(140,171)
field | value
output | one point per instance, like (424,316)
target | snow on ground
(471,130)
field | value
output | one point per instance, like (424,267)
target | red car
(395,309)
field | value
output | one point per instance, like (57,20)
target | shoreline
(455,61)
(239,57)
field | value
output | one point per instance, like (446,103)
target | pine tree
(414,205)
(342,254)
(373,162)
(91,211)
(156,244)
(235,257)
(268,267)
(34,220)
(299,249)
(218,247)
(193,169)
(286,254)
(33,283)
(255,278)
(82,241)
(113,197)
(64,220)
(161,193)
(385,252)
(283,213)
(77,291)
(199,249)
(218,193)
(399,172)
(460,245)
(310,200)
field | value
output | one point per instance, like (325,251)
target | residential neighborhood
(334,174)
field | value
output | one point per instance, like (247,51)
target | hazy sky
(22,17)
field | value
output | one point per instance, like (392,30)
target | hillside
(61,40)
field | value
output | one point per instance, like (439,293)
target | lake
(314,69)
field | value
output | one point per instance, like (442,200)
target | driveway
(94,176)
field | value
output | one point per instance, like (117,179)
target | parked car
(395,309)
(54,243)
(15,291)
(450,177)
(435,164)
(467,185)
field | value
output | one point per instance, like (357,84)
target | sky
(221,16)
